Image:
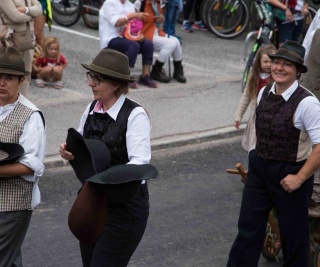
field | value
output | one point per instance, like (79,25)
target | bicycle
(226,18)
(66,12)
(90,13)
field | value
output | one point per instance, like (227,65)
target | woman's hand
(237,124)
(291,183)
(159,19)
(289,16)
(304,10)
(141,15)
(64,153)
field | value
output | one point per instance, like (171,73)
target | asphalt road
(193,216)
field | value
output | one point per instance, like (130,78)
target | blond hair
(47,42)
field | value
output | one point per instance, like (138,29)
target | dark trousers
(263,191)
(13,229)
(126,223)
(132,49)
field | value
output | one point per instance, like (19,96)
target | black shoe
(178,74)
(159,74)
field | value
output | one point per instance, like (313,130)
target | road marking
(75,32)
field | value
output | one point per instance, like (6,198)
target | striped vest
(15,192)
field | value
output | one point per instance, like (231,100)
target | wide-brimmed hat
(292,51)
(90,156)
(11,61)
(101,184)
(10,152)
(112,64)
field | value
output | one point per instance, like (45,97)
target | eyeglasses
(94,78)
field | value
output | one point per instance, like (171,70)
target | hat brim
(112,76)
(90,156)
(121,182)
(304,68)
(15,151)
(124,173)
(13,72)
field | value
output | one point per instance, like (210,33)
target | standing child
(260,76)
(50,64)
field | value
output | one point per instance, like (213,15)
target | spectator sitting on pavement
(172,10)
(187,9)
(50,64)
(166,46)
(114,15)
(259,76)
(23,128)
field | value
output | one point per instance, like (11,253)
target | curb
(55,161)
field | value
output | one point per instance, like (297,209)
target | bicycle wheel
(90,13)
(204,10)
(228,19)
(66,12)
(262,41)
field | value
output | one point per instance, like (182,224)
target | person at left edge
(124,126)
(21,122)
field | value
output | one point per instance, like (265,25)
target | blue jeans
(132,49)
(173,9)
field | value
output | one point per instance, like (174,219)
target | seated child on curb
(50,64)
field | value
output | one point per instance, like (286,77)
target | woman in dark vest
(124,127)
(282,165)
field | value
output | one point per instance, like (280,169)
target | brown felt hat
(11,62)
(293,52)
(112,64)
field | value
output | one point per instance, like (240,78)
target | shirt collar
(114,110)
(287,93)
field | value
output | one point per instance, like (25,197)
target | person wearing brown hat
(123,126)
(21,122)
(281,166)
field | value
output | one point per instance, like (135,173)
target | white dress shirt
(33,141)
(138,131)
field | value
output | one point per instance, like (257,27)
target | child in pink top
(50,64)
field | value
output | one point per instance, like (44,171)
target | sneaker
(186,27)
(200,27)
(58,85)
(133,85)
(40,83)
(147,81)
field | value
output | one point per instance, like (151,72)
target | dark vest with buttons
(277,138)
(100,126)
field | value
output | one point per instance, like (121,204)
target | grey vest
(15,192)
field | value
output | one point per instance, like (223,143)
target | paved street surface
(193,215)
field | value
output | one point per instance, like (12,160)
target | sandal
(40,83)
(58,85)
